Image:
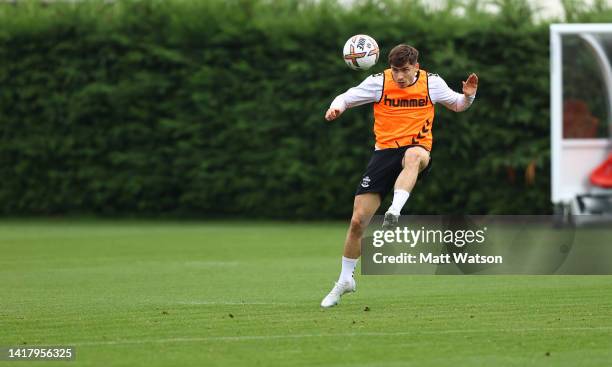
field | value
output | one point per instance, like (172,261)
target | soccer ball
(360,52)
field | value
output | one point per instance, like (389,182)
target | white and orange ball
(360,52)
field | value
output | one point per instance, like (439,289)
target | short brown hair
(401,54)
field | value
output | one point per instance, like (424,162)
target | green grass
(220,294)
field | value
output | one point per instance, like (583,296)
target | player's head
(403,60)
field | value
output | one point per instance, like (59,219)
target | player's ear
(417,65)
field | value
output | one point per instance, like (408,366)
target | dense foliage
(216,108)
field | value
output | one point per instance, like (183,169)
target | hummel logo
(402,102)
(424,130)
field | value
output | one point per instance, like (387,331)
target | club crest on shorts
(365,182)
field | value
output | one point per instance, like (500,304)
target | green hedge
(216,108)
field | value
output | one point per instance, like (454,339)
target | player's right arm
(368,91)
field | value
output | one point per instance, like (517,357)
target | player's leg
(414,161)
(364,208)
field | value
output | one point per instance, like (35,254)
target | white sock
(399,199)
(348,267)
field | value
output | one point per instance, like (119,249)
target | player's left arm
(441,93)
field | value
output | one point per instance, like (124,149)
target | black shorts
(383,169)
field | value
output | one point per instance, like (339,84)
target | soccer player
(403,98)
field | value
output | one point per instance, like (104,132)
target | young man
(404,98)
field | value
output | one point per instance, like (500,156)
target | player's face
(404,75)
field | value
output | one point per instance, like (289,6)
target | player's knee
(412,160)
(357,224)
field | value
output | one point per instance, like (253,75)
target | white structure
(574,159)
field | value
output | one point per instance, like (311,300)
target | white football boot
(333,298)
(390,222)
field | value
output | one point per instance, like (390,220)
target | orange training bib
(404,116)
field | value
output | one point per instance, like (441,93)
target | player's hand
(470,85)
(332,114)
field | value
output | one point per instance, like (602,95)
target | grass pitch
(233,294)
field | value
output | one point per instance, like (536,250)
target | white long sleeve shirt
(370,91)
